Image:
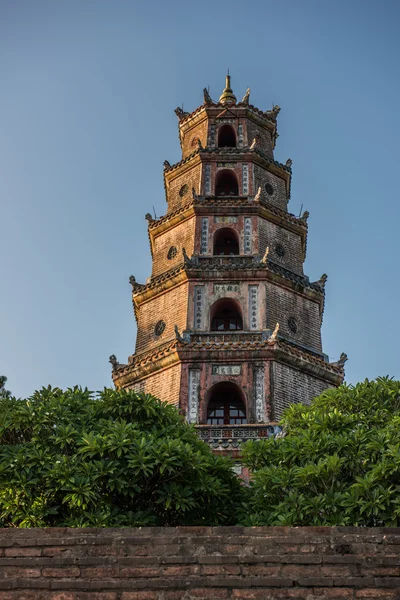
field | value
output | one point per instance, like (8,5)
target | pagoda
(229,326)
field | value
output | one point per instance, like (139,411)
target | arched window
(226,184)
(226,406)
(226,137)
(226,315)
(226,242)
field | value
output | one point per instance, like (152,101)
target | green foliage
(337,464)
(68,458)
(3,392)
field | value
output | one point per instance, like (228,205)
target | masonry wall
(177,194)
(198,132)
(171,307)
(188,563)
(272,235)
(291,386)
(181,236)
(162,384)
(282,304)
(265,141)
(278,197)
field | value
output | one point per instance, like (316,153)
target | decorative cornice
(251,267)
(206,202)
(211,264)
(231,151)
(245,109)
(207,347)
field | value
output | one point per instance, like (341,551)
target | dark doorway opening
(226,184)
(226,406)
(226,315)
(226,242)
(226,137)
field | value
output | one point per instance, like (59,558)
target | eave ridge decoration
(321,282)
(136,287)
(339,364)
(227,150)
(188,262)
(274,335)
(115,365)
(168,167)
(188,341)
(246,98)
(208,101)
(304,217)
(293,349)
(182,338)
(168,216)
(266,339)
(231,263)
(282,213)
(264,259)
(149,218)
(272,114)
(154,282)
(272,161)
(180,113)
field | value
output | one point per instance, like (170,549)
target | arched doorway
(226,184)
(226,137)
(226,405)
(226,242)
(226,315)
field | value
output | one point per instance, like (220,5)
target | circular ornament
(172,252)
(159,328)
(183,191)
(269,188)
(280,250)
(293,326)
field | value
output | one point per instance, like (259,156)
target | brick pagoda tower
(229,327)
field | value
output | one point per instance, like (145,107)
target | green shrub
(68,458)
(337,464)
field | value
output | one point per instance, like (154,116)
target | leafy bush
(337,464)
(68,458)
(3,392)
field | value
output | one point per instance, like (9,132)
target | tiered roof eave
(184,350)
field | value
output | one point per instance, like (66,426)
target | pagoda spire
(227,96)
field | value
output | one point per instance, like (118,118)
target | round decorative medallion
(172,252)
(279,250)
(184,190)
(292,324)
(159,328)
(269,188)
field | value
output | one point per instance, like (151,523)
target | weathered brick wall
(181,236)
(175,196)
(282,304)
(270,235)
(198,132)
(188,563)
(292,386)
(171,307)
(261,177)
(265,142)
(162,384)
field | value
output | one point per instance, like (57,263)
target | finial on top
(227,96)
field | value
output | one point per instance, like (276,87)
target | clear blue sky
(87,100)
